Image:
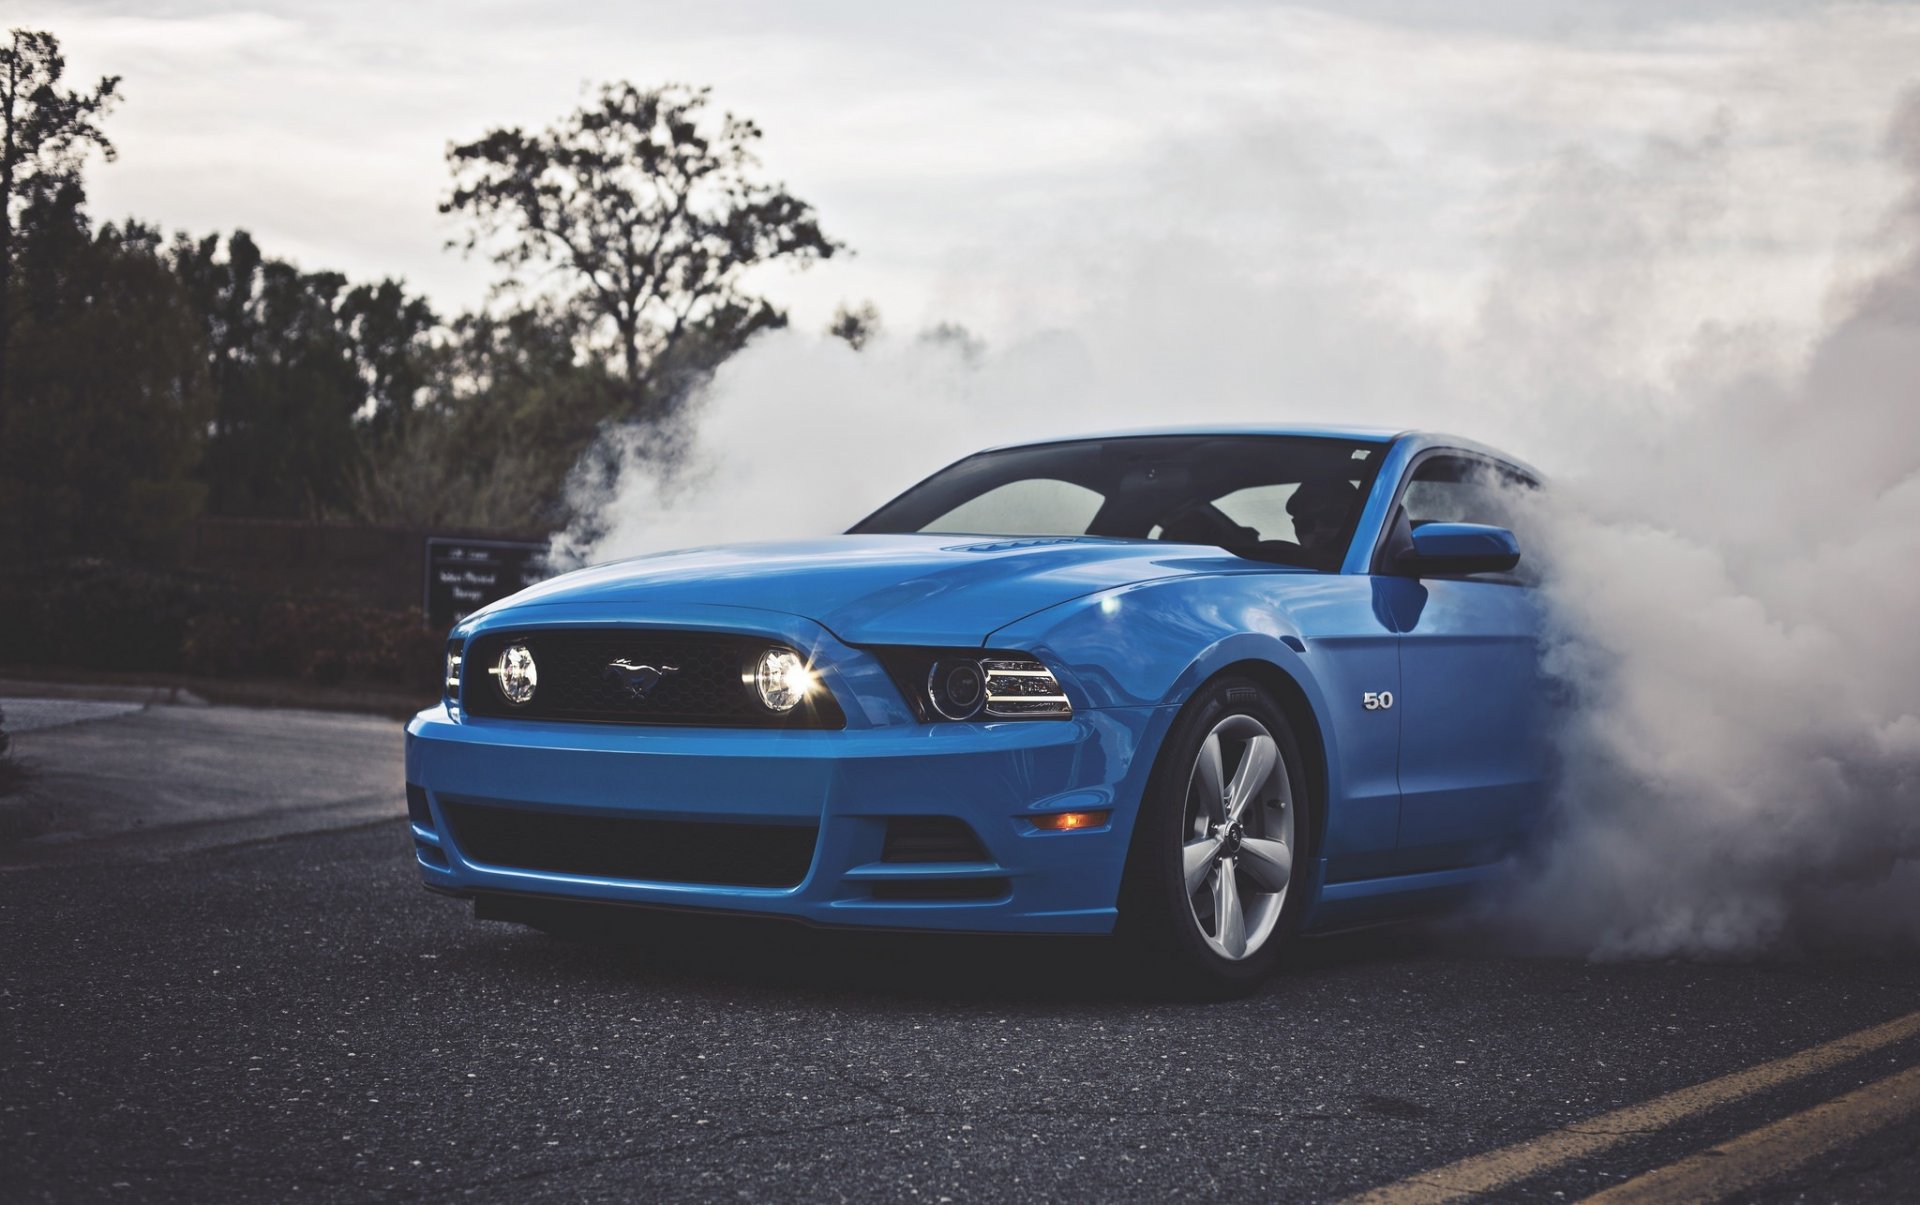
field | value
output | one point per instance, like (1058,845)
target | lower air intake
(931,839)
(943,890)
(620,847)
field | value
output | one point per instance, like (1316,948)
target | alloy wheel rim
(1237,837)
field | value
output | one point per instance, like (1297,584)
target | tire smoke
(1733,596)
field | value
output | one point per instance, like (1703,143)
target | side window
(1035,506)
(1456,489)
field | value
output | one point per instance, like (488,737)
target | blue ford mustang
(1206,688)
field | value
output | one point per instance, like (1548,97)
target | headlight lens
(453,671)
(784,680)
(516,674)
(957,688)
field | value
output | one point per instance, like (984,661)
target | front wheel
(1210,888)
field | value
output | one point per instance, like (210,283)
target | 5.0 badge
(1377,700)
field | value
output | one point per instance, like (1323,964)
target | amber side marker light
(1066,822)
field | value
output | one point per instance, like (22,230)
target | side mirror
(1440,549)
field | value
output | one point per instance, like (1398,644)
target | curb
(176,696)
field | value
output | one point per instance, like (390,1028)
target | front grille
(709,683)
(620,847)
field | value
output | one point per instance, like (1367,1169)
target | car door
(1474,733)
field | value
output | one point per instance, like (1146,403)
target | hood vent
(1010,545)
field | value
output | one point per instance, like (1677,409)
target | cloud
(949,145)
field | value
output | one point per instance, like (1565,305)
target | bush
(90,614)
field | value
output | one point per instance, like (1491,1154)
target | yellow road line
(1484,1173)
(1759,1156)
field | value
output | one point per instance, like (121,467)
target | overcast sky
(958,148)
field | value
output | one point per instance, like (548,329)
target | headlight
(972,685)
(515,674)
(453,671)
(783,679)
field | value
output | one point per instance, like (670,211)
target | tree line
(148,378)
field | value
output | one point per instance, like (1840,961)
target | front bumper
(849,782)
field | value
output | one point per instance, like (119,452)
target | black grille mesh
(707,685)
(621,847)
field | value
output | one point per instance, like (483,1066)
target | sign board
(465,575)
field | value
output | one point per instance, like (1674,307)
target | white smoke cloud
(1734,528)
(1733,595)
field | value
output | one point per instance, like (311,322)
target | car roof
(1417,441)
(1374,435)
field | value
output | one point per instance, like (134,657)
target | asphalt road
(287,1016)
(135,778)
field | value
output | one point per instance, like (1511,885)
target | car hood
(885,589)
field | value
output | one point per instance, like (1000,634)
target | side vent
(931,839)
(417,810)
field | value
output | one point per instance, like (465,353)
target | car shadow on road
(722,954)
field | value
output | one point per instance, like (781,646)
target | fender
(1153,644)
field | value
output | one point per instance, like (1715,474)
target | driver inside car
(1320,511)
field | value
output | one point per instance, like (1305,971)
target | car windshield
(1291,499)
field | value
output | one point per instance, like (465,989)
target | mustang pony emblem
(636,682)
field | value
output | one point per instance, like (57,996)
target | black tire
(1169,944)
